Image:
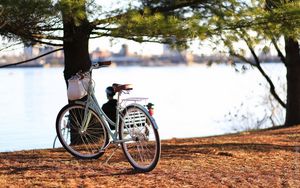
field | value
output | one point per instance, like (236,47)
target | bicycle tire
(86,144)
(143,152)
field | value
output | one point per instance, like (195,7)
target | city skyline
(106,43)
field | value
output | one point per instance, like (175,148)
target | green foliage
(26,20)
(175,22)
(148,26)
(277,16)
(266,49)
(285,19)
(73,11)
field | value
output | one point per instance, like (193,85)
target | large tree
(272,20)
(289,14)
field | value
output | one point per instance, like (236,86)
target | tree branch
(6,47)
(21,62)
(152,10)
(47,37)
(242,58)
(280,55)
(44,42)
(264,74)
(2,24)
(133,38)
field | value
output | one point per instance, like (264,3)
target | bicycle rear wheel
(142,146)
(82,143)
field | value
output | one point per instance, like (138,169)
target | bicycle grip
(104,63)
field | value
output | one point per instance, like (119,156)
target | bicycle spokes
(82,137)
(144,148)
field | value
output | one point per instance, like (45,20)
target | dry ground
(259,159)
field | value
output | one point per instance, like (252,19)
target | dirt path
(259,159)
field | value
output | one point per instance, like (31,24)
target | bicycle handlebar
(100,64)
(94,66)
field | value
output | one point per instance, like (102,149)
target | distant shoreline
(136,65)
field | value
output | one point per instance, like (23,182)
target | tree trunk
(77,32)
(293,82)
(76,49)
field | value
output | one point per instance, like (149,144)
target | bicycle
(83,128)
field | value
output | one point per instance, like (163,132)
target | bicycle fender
(80,102)
(146,112)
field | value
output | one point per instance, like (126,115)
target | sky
(105,44)
(134,47)
(145,49)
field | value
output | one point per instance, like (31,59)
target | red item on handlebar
(106,63)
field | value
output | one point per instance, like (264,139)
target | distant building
(122,58)
(168,51)
(56,58)
(124,50)
(189,58)
(173,56)
(31,51)
(97,53)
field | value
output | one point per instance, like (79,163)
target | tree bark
(77,32)
(76,49)
(293,82)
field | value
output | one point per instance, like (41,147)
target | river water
(189,101)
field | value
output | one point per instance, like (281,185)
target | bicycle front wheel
(82,141)
(140,138)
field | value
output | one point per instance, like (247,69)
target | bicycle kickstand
(117,146)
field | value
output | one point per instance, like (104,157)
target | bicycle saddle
(121,87)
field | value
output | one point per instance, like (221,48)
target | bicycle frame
(92,103)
